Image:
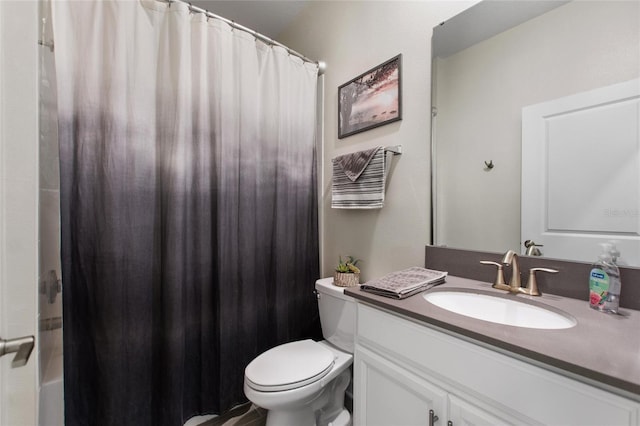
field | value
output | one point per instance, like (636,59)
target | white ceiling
(484,20)
(268,17)
(271,17)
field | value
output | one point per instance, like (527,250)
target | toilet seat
(289,366)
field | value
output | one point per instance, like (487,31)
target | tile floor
(242,415)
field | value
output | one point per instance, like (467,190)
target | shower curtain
(188,208)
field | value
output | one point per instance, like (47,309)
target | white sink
(499,310)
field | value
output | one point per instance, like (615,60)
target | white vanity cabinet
(393,395)
(403,369)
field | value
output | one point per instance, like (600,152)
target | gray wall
(352,37)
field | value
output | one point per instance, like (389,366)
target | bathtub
(51,398)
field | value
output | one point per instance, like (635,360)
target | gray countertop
(603,349)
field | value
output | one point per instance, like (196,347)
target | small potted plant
(347,273)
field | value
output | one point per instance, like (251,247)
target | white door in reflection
(581,173)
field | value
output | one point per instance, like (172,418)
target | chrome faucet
(511,259)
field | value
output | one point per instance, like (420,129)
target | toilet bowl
(300,383)
(303,383)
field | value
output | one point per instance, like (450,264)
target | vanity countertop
(602,349)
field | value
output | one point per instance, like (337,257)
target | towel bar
(396,149)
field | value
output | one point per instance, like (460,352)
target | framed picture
(371,99)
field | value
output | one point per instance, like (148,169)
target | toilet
(303,383)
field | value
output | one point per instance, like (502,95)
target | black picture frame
(372,99)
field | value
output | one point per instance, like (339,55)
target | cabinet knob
(432,418)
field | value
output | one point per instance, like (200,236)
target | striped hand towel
(359,180)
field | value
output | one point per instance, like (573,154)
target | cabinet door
(463,413)
(386,394)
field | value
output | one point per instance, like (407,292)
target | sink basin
(499,310)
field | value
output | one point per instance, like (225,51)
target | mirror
(489,63)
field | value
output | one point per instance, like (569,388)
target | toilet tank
(337,315)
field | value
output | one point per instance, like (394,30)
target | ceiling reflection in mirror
(491,64)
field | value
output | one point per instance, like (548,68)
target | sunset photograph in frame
(370,100)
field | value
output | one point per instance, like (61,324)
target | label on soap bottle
(598,288)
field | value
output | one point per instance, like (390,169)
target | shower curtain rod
(321,65)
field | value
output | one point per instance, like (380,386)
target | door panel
(581,173)
(18,204)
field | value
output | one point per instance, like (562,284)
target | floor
(242,415)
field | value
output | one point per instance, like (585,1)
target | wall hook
(489,164)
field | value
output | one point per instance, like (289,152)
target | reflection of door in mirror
(479,93)
(581,172)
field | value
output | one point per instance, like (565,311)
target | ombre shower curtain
(188,208)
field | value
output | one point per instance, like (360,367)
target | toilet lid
(289,366)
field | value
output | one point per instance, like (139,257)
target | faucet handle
(532,284)
(500,283)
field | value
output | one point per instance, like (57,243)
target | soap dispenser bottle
(604,282)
